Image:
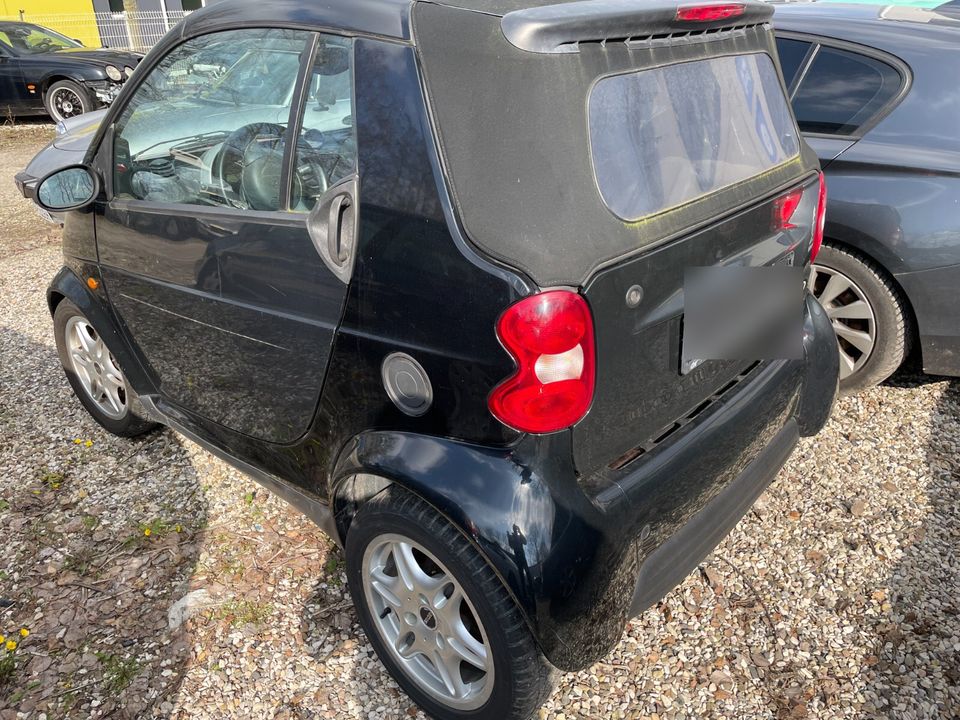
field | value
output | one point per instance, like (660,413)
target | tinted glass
(669,135)
(208,124)
(843,90)
(792,53)
(327,149)
(33,39)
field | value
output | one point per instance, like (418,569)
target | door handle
(332,225)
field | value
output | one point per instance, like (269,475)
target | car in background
(875,92)
(42,71)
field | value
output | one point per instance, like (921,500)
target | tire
(92,372)
(880,313)
(63,97)
(518,679)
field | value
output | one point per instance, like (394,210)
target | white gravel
(837,597)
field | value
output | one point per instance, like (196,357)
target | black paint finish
(231,327)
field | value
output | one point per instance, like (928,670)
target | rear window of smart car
(670,135)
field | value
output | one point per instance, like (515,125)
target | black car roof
(887,27)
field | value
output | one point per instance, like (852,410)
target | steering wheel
(249,165)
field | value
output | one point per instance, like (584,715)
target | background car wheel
(868,315)
(66,99)
(442,623)
(94,374)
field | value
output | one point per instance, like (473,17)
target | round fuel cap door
(407,384)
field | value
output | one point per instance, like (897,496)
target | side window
(792,54)
(207,125)
(842,90)
(327,147)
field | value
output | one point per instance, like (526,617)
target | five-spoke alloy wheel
(438,616)
(94,373)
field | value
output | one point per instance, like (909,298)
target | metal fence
(131,31)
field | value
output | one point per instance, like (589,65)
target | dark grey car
(875,92)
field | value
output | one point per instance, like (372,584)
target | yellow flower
(11,645)
(178,528)
(88,443)
(77,441)
(2,638)
(146,531)
(24,632)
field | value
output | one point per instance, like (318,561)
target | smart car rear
(483,288)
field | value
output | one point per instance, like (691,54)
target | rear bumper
(701,531)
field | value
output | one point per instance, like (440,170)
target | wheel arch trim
(67,285)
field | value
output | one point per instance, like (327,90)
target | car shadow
(916,644)
(100,537)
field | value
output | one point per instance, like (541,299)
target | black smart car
(874,89)
(42,71)
(419,268)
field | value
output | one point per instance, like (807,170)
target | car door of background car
(12,90)
(203,237)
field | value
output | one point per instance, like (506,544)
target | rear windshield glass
(665,136)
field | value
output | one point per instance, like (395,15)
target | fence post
(21,16)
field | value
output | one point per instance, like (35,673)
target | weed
(4,505)
(90,521)
(118,672)
(52,479)
(243,612)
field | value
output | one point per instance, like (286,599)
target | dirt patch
(20,227)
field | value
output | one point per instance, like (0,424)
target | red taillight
(708,13)
(819,219)
(550,335)
(784,207)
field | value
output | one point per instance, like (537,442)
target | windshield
(33,39)
(253,75)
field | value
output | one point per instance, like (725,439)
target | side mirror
(69,188)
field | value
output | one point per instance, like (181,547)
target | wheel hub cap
(426,621)
(96,368)
(850,312)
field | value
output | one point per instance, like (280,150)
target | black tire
(67,87)
(523,679)
(129,424)
(893,330)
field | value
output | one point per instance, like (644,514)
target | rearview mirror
(69,188)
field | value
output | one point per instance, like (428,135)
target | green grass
(118,672)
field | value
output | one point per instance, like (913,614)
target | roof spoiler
(558,28)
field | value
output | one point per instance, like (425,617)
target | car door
(12,90)
(203,236)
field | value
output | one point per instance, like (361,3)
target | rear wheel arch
(879,267)
(354,491)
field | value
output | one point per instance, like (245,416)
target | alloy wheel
(66,103)
(850,312)
(427,622)
(96,368)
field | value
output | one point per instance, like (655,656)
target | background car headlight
(127,70)
(113,73)
(61,128)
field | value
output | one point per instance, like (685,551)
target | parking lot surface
(838,596)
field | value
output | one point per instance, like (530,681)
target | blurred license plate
(45,215)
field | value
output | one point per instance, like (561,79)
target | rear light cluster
(819,219)
(709,13)
(550,335)
(785,206)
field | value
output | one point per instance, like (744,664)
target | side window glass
(792,54)
(327,146)
(207,125)
(843,90)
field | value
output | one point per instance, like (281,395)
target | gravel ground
(837,597)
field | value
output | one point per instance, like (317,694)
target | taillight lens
(708,13)
(819,219)
(784,207)
(550,335)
